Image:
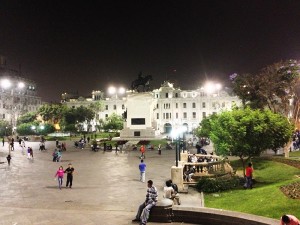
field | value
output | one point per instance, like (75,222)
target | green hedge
(211,185)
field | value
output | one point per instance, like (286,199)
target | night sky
(85,46)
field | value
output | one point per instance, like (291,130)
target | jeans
(248,182)
(144,211)
(60,181)
(142,176)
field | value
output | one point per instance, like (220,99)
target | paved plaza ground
(106,187)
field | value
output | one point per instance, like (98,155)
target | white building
(173,107)
(18,95)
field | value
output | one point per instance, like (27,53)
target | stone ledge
(209,216)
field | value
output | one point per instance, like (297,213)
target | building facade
(18,95)
(173,107)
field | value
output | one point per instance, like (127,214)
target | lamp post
(34,128)
(7,84)
(211,88)
(113,91)
(176,135)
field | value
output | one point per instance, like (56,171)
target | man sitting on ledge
(144,209)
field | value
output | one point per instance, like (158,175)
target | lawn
(265,199)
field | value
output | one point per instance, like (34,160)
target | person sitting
(58,157)
(55,155)
(175,196)
(189,173)
(42,146)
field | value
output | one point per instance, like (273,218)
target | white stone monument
(139,116)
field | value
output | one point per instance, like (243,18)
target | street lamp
(34,128)
(211,87)
(6,84)
(176,135)
(113,91)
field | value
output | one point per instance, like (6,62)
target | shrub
(211,185)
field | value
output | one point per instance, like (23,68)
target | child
(60,176)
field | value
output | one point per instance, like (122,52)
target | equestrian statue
(141,81)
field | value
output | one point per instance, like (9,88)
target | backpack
(175,187)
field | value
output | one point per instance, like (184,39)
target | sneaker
(135,220)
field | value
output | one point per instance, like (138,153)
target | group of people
(11,145)
(170,192)
(60,176)
(56,155)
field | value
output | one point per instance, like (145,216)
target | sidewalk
(106,187)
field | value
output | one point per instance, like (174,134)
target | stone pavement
(106,187)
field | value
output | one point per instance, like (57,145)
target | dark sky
(89,45)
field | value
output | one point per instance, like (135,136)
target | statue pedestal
(139,116)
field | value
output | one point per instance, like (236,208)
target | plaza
(106,187)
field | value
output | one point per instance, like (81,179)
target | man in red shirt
(289,220)
(249,172)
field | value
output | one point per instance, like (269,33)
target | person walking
(159,149)
(69,171)
(28,153)
(31,153)
(143,150)
(144,209)
(12,144)
(142,167)
(23,146)
(3,141)
(289,220)
(8,159)
(60,175)
(249,174)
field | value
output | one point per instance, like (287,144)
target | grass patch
(265,199)
(294,154)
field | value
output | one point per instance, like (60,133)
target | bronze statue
(141,81)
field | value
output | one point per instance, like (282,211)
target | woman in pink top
(60,176)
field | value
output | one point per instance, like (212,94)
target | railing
(211,168)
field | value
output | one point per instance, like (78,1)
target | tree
(96,106)
(72,118)
(204,128)
(113,122)
(83,114)
(246,132)
(5,128)
(29,117)
(275,87)
(26,129)
(52,113)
